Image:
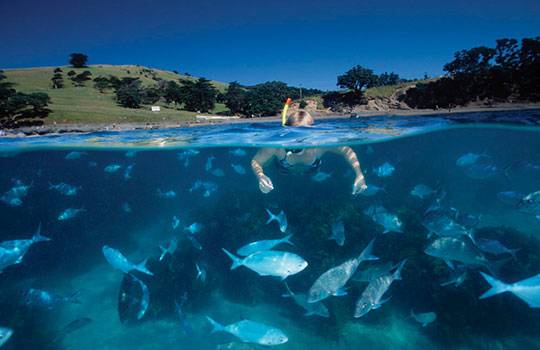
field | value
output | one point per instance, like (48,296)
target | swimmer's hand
(265,184)
(359,185)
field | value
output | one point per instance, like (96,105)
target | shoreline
(51,129)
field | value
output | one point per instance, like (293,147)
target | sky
(304,43)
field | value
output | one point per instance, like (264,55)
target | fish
(372,190)
(208,164)
(510,198)
(436,222)
(70,213)
(171,248)
(166,194)
(194,242)
(208,187)
(527,290)
(71,327)
(333,281)
(64,188)
(312,309)
(179,304)
(112,168)
(338,232)
(13,197)
(194,228)
(530,203)
(373,272)
(422,191)
(371,297)
(44,299)
(457,277)
(130,154)
(321,176)
(5,334)
(120,262)
(384,170)
(263,245)
(186,155)
(145,297)
(477,166)
(390,222)
(424,318)
(74,155)
(467,159)
(270,263)
(238,152)
(92,164)
(495,247)
(251,332)
(126,208)
(12,252)
(218,172)
(238,169)
(201,273)
(127,171)
(175,222)
(281,219)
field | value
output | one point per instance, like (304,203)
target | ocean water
(100,307)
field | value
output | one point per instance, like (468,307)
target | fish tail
(366,253)
(199,271)
(216,327)
(271,217)
(470,234)
(74,297)
(287,239)
(513,252)
(236,261)
(38,237)
(397,273)
(142,267)
(497,286)
(163,252)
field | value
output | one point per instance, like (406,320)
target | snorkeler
(302,160)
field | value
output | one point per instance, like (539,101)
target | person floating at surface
(302,160)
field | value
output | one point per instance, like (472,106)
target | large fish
(252,332)
(259,246)
(390,222)
(371,298)
(444,226)
(333,281)
(312,309)
(527,290)
(13,252)
(120,262)
(270,263)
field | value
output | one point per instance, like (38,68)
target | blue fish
(280,218)
(527,290)
(384,170)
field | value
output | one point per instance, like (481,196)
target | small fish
(238,152)
(112,168)
(510,198)
(530,203)
(312,309)
(70,213)
(494,247)
(175,222)
(422,191)
(338,232)
(127,172)
(372,190)
(194,242)
(252,332)
(439,223)
(47,300)
(166,194)
(333,281)
(201,273)
(13,252)
(321,176)
(270,263)
(5,334)
(92,164)
(390,222)
(527,290)
(130,154)
(424,318)
(373,272)
(281,219)
(194,228)
(208,165)
(186,155)
(64,188)
(218,172)
(171,248)
(208,187)
(14,196)
(179,304)
(74,155)
(371,298)
(457,277)
(478,166)
(259,246)
(384,170)
(238,169)
(126,208)
(467,159)
(120,262)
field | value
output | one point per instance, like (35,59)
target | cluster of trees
(510,71)
(20,109)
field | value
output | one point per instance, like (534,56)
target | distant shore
(319,115)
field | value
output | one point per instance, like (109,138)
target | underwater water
(468,184)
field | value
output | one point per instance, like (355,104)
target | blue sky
(299,42)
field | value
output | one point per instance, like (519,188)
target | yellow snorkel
(284,112)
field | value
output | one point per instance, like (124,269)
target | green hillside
(85,104)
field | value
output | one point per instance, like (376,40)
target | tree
(235,98)
(78,60)
(57,81)
(357,79)
(58,70)
(199,95)
(150,95)
(101,84)
(471,62)
(80,78)
(129,93)
(266,98)
(172,92)
(388,79)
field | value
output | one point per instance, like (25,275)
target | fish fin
(74,297)
(237,262)
(497,286)
(340,292)
(287,239)
(513,253)
(470,234)
(450,264)
(163,252)
(38,237)
(397,273)
(142,267)
(366,253)
(376,306)
(289,293)
(199,271)
(216,327)
(271,217)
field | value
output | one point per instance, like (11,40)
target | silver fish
(64,188)
(238,169)
(263,245)
(252,332)
(530,203)
(130,154)
(371,298)
(338,232)
(457,277)
(424,318)
(444,226)
(312,309)
(270,263)
(175,222)
(218,172)
(13,252)
(321,176)
(74,155)
(5,334)
(333,281)
(112,168)
(238,152)
(47,300)
(70,213)
(208,164)
(510,198)
(145,297)
(186,155)
(171,248)
(166,194)
(194,228)
(384,170)
(422,191)
(467,159)
(494,247)
(373,272)
(126,208)
(120,262)
(14,196)
(527,290)
(281,219)
(390,222)
(201,273)
(372,190)
(478,166)
(127,171)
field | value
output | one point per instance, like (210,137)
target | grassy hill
(85,104)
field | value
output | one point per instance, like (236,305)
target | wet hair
(299,118)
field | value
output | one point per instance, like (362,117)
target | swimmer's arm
(260,160)
(351,158)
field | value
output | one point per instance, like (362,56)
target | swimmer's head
(299,118)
